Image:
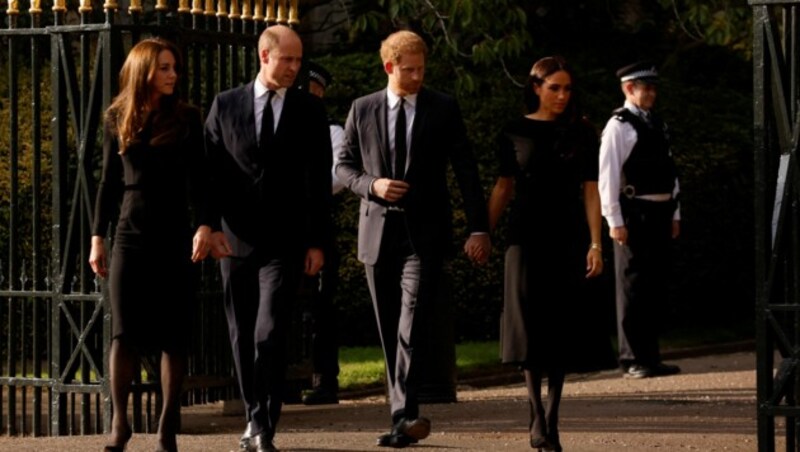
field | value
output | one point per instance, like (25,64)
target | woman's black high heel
(540,442)
(553,444)
(117,447)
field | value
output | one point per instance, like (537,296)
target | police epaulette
(622,114)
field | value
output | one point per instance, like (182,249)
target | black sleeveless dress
(161,187)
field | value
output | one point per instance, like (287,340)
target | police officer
(639,198)
(324,340)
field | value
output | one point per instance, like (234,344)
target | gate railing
(61,69)
(776,93)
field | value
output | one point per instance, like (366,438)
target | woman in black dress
(153,164)
(548,165)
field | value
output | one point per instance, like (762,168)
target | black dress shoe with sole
(319,396)
(262,443)
(395,440)
(657,370)
(417,429)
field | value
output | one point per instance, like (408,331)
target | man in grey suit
(398,143)
(271,153)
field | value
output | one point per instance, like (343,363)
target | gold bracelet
(596,246)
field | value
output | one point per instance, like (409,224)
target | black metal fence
(777,192)
(59,72)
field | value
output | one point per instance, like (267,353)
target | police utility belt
(629,191)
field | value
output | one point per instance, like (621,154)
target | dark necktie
(267,122)
(400,142)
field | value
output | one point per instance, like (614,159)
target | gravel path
(708,407)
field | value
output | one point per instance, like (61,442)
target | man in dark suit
(271,151)
(398,142)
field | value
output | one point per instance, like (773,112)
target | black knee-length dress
(548,237)
(160,183)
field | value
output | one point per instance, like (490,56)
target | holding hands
(478,247)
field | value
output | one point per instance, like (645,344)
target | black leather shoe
(245,442)
(262,443)
(658,370)
(417,429)
(395,440)
(638,371)
(320,396)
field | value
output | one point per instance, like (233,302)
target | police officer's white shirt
(260,101)
(616,144)
(337,141)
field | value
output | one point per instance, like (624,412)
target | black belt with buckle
(629,191)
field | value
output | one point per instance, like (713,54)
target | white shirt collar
(261,90)
(636,110)
(394,99)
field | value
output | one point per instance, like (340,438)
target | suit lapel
(419,125)
(248,117)
(381,113)
(286,112)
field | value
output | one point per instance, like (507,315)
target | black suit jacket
(438,136)
(277,199)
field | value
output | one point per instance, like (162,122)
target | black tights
(544,419)
(124,363)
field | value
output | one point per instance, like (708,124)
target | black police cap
(319,74)
(641,70)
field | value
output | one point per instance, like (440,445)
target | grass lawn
(363,367)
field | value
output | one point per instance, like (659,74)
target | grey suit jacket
(438,137)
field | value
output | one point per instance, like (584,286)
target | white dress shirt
(616,144)
(391,119)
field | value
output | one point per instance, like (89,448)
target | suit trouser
(324,325)
(642,268)
(402,286)
(258,294)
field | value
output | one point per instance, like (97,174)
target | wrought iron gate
(61,68)
(776,59)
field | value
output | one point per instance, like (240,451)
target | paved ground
(709,407)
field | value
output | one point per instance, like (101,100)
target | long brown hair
(131,108)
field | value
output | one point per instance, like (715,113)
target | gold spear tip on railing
(282,16)
(60,6)
(86,6)
(235,12)
(270,11)
(222,9)
(247,13)
(294,13)
(258,10)
(210,8)
(13,8)
(197,6)
(183,6)
(136,7)
(161,5)
(109,5)
(36,7)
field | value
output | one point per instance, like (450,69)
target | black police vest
(649,168)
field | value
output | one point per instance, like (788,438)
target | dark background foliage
(705,95)
(481,52)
